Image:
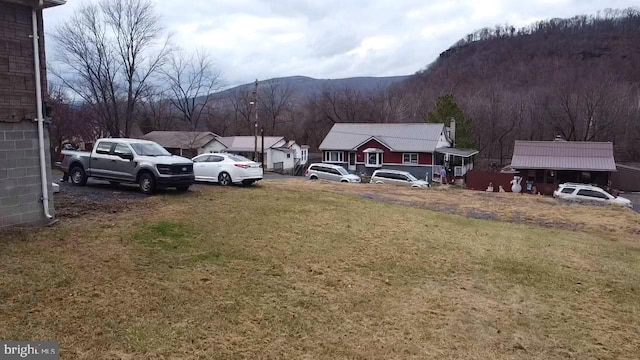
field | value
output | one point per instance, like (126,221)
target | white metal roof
(248,143)
(563,155)
(181,139)
(457,152)
(415,137)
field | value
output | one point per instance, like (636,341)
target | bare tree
(275,100)
(240,100)
(191,81)
(108,54)
(68,123)
(155,111)
(344,105)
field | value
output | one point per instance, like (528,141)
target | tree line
(576,78)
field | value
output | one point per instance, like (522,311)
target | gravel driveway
(101,197)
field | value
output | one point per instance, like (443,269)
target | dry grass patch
(282,271)
(518,208)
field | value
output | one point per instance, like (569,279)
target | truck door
(122,165)
(100,163)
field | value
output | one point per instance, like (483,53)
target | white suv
(397,177)
(330,172)
(583,192)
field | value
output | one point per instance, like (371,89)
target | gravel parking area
(101,197)
(94,198)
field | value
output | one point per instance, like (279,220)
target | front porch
(456,162)
(545,181)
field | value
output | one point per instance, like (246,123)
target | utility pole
(255,128)
(262,155)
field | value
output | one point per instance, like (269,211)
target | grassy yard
(311,271)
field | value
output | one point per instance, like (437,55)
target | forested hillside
(578,78)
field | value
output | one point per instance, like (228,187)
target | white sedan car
(226,169)
(571,191)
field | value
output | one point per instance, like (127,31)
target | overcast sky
(263,39)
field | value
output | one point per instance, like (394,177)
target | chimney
(452,132)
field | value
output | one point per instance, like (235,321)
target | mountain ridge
(303,86)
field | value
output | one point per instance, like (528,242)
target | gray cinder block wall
(20,181)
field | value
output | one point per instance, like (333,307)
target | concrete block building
(25,164)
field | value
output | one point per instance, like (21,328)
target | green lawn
(288,271)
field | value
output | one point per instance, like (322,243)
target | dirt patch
(94,199)
(72,205)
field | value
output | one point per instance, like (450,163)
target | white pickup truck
(129,161)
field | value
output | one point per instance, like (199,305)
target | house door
(352,161)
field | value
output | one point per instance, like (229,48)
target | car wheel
(78,176)
(313,177)
(147,183)
(224,179)
(182,188)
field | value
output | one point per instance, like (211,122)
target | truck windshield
(149,149)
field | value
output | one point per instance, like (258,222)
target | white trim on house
(443,141)
(372,138)
(414,165)
(394,164)
(339,159)
(410,162)
(379,159)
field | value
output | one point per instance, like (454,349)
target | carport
(546,164)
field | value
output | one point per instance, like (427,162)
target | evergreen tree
(446,109)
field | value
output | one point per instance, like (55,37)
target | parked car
(584,192)
(129,161)
(397,177)
(330,172)
(227,169)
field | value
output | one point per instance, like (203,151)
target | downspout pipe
(40,117)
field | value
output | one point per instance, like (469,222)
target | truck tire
(77,176)
(147,183)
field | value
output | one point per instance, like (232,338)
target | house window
(374,159)
(334,156)
(304,156)
(288,156)
(410,158)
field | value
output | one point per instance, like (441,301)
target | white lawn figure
(515,184)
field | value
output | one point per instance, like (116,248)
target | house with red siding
(418,148)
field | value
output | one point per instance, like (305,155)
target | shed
(545,164)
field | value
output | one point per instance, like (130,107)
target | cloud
(331,39)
